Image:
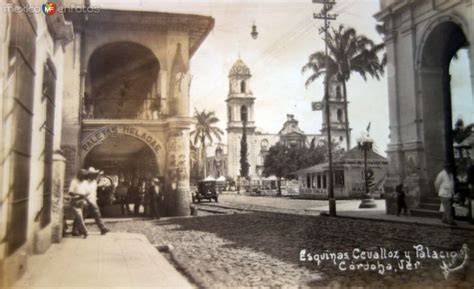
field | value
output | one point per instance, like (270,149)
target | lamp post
(365,144)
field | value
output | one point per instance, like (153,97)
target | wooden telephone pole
(324,15)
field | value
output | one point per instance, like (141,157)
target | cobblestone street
(263,249)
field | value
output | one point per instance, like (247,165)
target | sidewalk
(116,260)
(351,210)
(344,209)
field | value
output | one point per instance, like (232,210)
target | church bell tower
(240,110)
(339,126)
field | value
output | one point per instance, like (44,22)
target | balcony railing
(118,108)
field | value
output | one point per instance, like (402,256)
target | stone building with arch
(421,38)
(127,97)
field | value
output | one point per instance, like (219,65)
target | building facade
(349,176)
(421,38)
(32,47)
(127,98)
(240,109)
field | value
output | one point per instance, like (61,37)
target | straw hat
(93,171)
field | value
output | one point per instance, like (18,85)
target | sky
(288,34)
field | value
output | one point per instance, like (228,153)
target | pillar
(57,202)
(177,192)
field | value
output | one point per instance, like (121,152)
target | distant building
(217,164)
(240,108)
(348,176)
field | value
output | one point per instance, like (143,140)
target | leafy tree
(348,52)
(281,160)
(204,131)
(244,164)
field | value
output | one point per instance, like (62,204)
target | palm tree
(348,52)
(204,131)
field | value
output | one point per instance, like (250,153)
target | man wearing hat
(92,175)
(153,196)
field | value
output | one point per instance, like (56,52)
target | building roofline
(198,26)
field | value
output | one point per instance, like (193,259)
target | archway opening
(122,83)
(244,113)
(128,165)
(442,96)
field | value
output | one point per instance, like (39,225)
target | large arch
(122,78)
(441,40)
(98,136)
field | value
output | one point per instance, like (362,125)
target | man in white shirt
(78,191)
(91,181)
(444,185)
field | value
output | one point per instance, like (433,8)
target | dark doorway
(443,43)
(126,161)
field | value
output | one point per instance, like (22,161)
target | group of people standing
(83,195)
(445,184)
(143,194)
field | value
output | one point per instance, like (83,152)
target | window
(229,114)
(242,86)
(308,181)
(319,181)
(324,182)
(244,113)
(21,59)
(264,145)
(339,178)
(339,115)
(338,92)
(49,91)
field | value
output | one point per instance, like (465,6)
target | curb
(402,222)
(180,265)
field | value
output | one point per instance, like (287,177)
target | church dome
(239,68)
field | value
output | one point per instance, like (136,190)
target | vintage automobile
(206,190)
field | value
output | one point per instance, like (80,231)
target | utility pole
(324,15)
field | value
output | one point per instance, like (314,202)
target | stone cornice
(240,98)
(197,26)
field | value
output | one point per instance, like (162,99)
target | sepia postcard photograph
(214,144)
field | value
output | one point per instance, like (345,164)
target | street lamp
(365,144)
(254,32)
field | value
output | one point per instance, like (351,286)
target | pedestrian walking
(78,191)
(444,185)
(92,175)
(153,197)
(401,203)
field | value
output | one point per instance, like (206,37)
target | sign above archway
(98,136)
